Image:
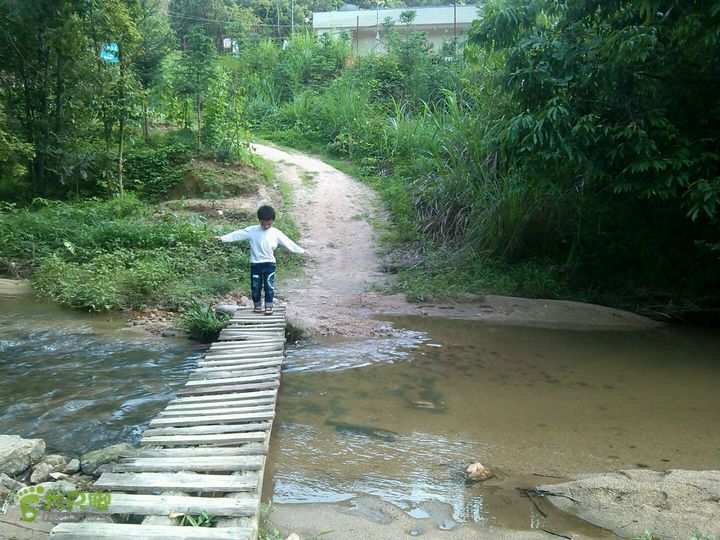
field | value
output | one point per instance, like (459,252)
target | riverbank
(344,286)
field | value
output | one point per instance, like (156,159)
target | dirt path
(335,295)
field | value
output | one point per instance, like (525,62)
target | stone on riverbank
(10,483)
(41,472)
(227,309)
(49,464)
(17,455)
(90,462)
(670,504)
(72,467)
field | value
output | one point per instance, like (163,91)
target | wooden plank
(211,419)
(162,505)
(256,324)
(262,394)
(254,356)
(221,439)
(216,410)
(247,358)
(270,402)
(229,373)
(229,335)
(249,344)
(242,358)
(251,329)
(195,391)
(199,451)
(254,319)
(260,347)
(232,380)
(123,531)
(239,369)
(265,348)
(219,366)
(181,481)
(259,332)
(197,464)
(209,429)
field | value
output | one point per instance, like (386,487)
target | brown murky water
(532,404)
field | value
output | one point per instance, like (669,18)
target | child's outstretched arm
(235,236)
(289,244)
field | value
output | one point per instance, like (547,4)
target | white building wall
(440,23)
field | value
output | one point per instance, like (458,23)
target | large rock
(670,504)
(17,455)
(90,462)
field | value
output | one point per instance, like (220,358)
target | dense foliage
(120,253)
(569,149)
(572,148)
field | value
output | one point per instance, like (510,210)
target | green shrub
(203,322)
(153,171)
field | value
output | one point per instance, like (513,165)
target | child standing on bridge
(264,239)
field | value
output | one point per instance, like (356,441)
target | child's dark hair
(266,212)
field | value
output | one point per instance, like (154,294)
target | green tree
(43,54)
(156,41)
(196,70)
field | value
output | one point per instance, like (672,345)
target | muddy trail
(337,295)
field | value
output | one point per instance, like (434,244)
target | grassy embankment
(426,270)
(153,247)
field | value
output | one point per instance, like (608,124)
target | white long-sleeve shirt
(262,242)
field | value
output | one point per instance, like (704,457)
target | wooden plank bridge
(207,449)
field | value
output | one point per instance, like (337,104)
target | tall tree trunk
(146,128)
(29,123)
(43,142)
(59,124)
(121,121)
(121,144)
(197,114)
(197,107)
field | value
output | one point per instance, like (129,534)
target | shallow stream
(534,405)
(395,419)
(83,381)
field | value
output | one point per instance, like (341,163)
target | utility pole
(377,26)
(357,36)
(292,17)
(455,21)
(278,19)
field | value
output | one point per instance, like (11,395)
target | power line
(203,19)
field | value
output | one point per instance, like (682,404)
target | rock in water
(478,472)
(671,504)
(17,455)
(92,460)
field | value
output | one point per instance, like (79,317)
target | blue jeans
(262,275)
